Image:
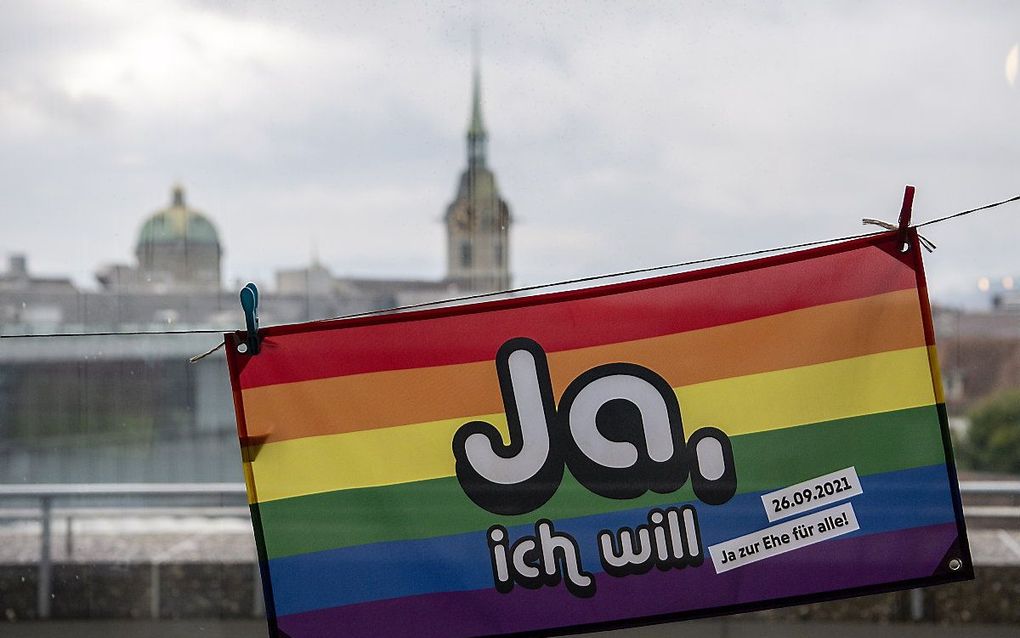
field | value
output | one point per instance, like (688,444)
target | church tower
(478,219)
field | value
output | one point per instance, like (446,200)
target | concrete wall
(229,590)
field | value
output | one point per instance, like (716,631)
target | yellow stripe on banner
(249,482)
(377,457)
(739,405)
(936,374)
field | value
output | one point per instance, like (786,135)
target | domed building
(178,247)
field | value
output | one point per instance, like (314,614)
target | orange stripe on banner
(819,334)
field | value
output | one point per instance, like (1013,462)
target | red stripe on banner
(581,318)
(922,287)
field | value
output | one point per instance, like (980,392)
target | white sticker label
(811,494)
(785,537)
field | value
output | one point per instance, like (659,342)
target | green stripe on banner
(767,460)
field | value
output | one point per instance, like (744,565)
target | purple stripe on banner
(829,566)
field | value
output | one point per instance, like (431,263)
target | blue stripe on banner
(891,501)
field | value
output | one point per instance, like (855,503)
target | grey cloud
(85,112)
(621,137)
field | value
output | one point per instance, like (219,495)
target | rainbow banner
(747,436)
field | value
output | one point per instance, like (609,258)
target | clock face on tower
(463,219)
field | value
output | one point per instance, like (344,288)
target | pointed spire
(476,135)
(477,126)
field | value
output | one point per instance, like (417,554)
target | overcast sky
(622,135)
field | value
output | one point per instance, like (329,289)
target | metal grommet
(955,564)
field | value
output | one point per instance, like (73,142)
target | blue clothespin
(250,305)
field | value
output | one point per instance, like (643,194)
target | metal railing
(228,500)
(1001,502)
(223,499)
(1003,488)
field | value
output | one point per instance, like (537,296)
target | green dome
(176,224)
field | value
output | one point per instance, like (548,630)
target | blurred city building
(478,219)
(130,407)
(979,352)
(148,415)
